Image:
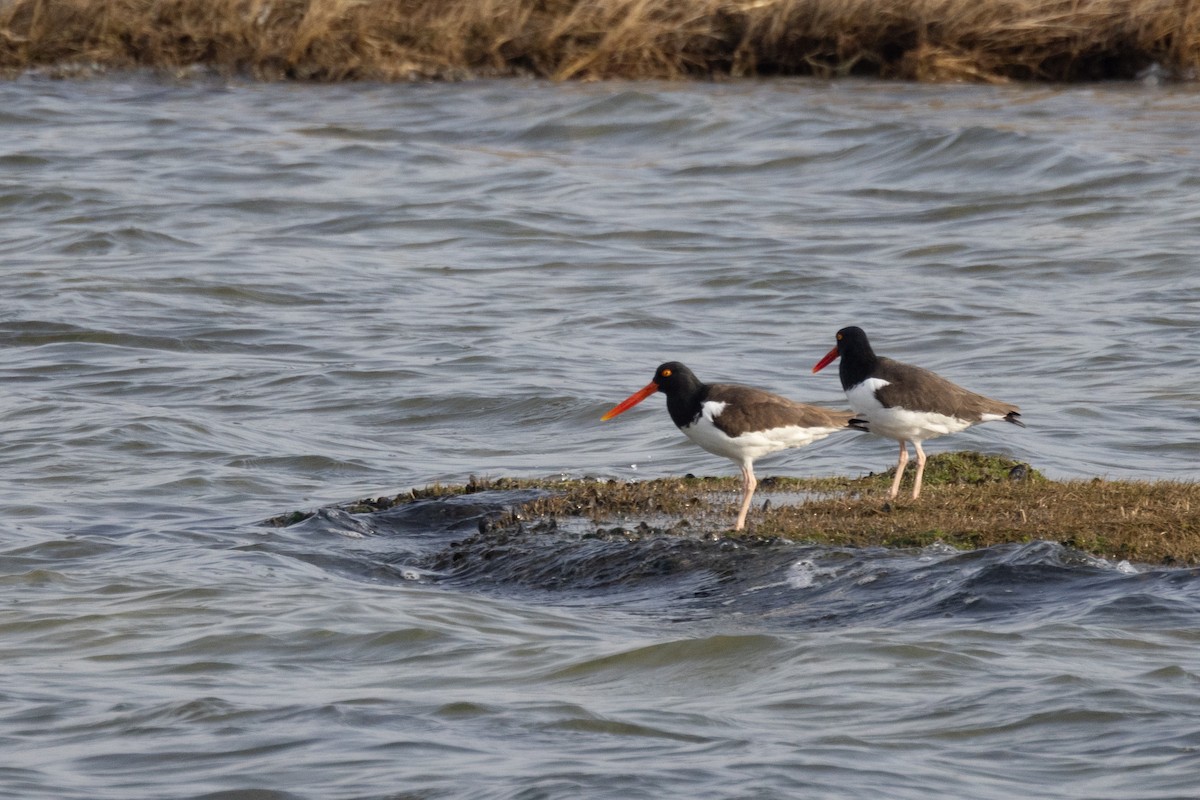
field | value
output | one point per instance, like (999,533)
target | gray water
(223,301)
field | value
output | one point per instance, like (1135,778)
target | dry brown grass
(988,40)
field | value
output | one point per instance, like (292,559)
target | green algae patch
(969,500)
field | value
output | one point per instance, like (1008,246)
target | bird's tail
(1012,416)
(863,425)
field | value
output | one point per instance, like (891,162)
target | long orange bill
(632,400)
(824,362)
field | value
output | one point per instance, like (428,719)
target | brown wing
(919,389)
(749,409)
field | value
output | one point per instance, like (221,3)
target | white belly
(900,424)
(750,446)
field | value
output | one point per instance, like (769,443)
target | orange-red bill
(824,362)
(632,400)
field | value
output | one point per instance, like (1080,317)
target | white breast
(862,397)
(711,409)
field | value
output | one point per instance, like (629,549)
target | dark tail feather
(863,425)
(1012,416)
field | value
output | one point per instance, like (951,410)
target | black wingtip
(1014,418)
(863,425)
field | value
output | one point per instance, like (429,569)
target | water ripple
(223,301)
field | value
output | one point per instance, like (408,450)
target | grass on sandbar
(329,40)
(968,501)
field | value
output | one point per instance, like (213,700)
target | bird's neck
(686,402)
(856,367)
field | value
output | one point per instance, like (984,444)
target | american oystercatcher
(906,403)
(737,422)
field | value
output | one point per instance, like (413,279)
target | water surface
(224,301)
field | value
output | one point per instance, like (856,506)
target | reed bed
(333,40)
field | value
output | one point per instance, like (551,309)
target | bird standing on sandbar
(738,422)
(906,403)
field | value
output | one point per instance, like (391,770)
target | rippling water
(224,301)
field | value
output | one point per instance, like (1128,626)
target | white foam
(804,574)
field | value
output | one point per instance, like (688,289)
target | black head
(858,359)
(852,341)
(677,382)
(673,378)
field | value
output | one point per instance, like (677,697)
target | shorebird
(738,422)
(906,403)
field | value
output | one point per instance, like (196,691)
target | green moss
(288,519)
(965,467)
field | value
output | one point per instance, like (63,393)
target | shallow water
(225,301)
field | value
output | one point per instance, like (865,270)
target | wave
(458,543)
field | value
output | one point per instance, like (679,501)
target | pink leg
(899,470)
(748,486)
(920,470)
